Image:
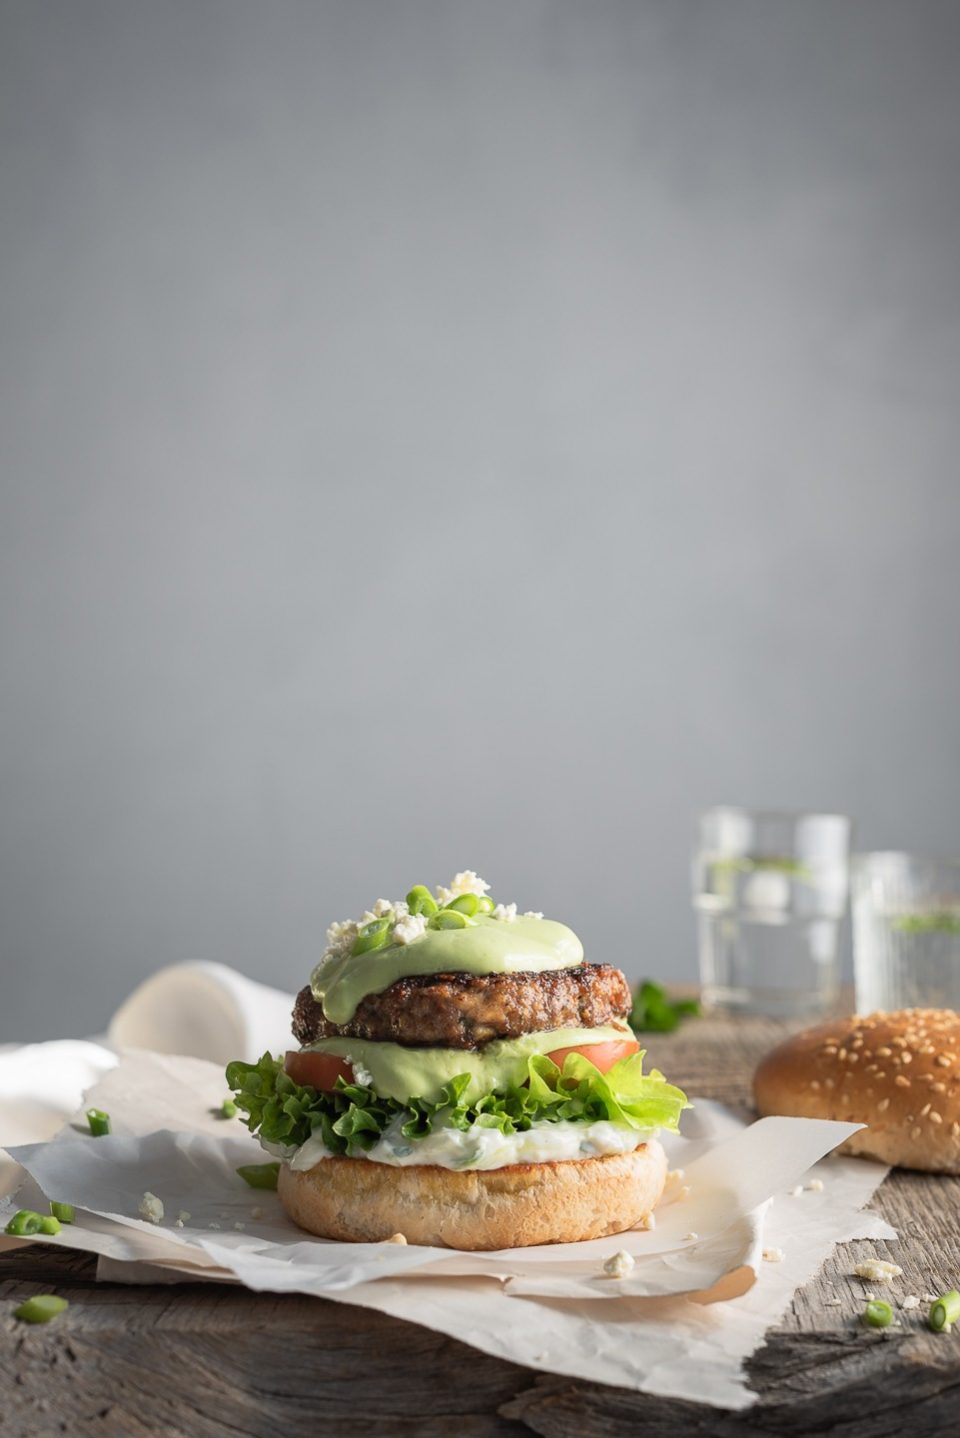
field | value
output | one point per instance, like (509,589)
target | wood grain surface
(198,1361)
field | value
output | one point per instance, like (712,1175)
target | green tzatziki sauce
(488,946)
(396,1071)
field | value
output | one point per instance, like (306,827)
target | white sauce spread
(486,1148)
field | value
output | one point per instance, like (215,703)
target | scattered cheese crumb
(878,1270)
(183,1217)
(684,1192)
(214,1224)
(151,1208)
(648,1223)
(361,1073)
(533,914)
(507,913)
(773,1255)
(911,1301)
(619,1265)
(930,1297)
(796,1192)
(408,930)
(691,1236)
(178,1223)
(815,1185)
(396,1238)
(832,1303)
(466,883)
(256,1212)
(239,1226)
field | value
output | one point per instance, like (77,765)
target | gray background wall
(461,434)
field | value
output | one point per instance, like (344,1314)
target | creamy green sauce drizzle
(488,946)
(396,1071)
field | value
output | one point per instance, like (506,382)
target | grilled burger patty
(462,1011)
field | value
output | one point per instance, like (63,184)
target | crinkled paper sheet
(681,1324)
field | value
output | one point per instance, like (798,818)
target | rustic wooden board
(203,1362)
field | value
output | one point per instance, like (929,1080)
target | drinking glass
(770,890)
(906,932)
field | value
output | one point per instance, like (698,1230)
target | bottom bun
(358,1201)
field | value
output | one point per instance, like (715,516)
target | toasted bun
(358,1201)
(899,1073)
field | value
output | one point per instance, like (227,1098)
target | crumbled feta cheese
(619,1265)
(256,1212)
(648,1223)
(183,1217)
(533,914)
(773,1255)
(877,1270)
(151,1208)
(409,929)
(239,1226)
(178,1223)
(505,912)
(396,1238)
(796,1192)
(466,882)
(691,1237)
(911,1301)
(361,1073)
(340,937)
(930,1297)
(214,1224)
(815,1185)
(382,908)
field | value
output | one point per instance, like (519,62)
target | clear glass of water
(906,932)
(770,891)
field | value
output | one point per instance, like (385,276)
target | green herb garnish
(99,1122)
(63,1211)
(654,1012)
(945,1312)
(352,1118)
(41,1308)
(260,1175)
(878,1314)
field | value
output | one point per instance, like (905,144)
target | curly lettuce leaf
(352,1118)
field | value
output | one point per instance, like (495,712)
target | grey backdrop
(461,434)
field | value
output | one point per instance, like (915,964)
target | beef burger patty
(463,1011)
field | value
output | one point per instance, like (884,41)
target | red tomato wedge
(602,1056)
(319,1071)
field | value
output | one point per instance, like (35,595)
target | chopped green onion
(485,904)
(421,901)
(41,1308)
(449,919)
(99,1122)
(260,1175)
(228,1109)
(64,1211)
(49,1224)
(945,1312)
(375,935)
(878,1314)
(23,1222)
(463,904)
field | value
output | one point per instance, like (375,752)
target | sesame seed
(830,1049)
(944,1061)
(954,1128)
(853,1058)
(906,1057)
(883,1105)
(925,1110)
(915,1132)
(937,1087)
(842,1055)
(935,1117)
(815,1083)
(828,1083)
(902,1081)
(883,1053)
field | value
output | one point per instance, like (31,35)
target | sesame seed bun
(899,1073)
(359,1201)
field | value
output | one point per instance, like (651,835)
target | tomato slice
(317,1070)
(602,1056)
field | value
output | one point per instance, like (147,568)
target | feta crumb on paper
(690,1237)
(396,1238)
(796,1192)
(815,1185)
(773,1255)
(648,1223)
(178,1223)
(256,1212)
(151,1208)
(183,1217)
(506,913)
(409,929)
(878,1270)
(239,1226)
(619,1265)
(214,1224)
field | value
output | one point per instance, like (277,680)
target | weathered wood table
(216,1362)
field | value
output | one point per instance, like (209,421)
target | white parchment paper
(693,1308)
